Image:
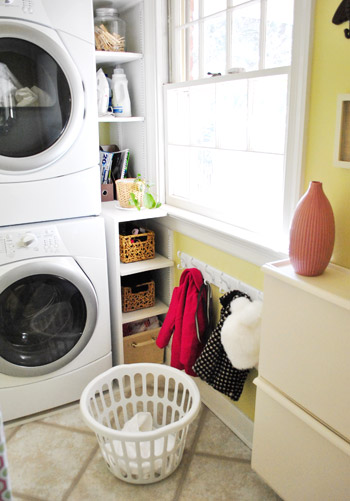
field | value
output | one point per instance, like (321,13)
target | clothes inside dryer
(41,318)
(35,99)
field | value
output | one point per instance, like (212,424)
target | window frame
(243,244)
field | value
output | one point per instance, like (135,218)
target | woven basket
(137,247)
(127,186)
(138,297)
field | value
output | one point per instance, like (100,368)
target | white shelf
(120,215)
(114,119)
(112,58)
(156,263)
(158,309)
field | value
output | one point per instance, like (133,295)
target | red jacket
(180,321)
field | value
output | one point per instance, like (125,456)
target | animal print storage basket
(137,247)
(138,296)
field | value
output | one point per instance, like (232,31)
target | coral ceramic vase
(312,233)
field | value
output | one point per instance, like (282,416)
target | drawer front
(297,456)
(305,349)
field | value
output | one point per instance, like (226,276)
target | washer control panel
(16,245)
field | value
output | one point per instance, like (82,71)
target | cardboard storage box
(141,347)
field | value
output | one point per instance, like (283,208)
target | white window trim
(227,238)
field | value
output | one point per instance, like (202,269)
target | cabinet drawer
(305,347)
(141,347)
(295,454)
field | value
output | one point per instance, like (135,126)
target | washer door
(41,97)
(48,313)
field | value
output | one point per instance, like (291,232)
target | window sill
(222,236)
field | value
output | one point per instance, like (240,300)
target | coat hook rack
(223,281)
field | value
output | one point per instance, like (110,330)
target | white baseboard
(227,412)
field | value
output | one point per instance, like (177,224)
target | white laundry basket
(114,397)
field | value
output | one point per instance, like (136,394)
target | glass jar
(109,30)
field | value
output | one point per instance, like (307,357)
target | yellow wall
(330,76)
(246,272)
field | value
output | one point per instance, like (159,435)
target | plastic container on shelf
(110,30)
(120,94)
(102,92)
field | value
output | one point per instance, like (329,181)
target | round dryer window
(46,319)
(41,97)
(35,99)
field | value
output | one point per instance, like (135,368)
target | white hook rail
(216,277)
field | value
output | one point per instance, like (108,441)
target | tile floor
(56,458)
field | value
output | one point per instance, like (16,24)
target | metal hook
(181,265)
(211,277)
(223,283)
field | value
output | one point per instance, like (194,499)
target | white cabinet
(161,267)
(301,443)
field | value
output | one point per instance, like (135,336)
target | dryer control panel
(25,244)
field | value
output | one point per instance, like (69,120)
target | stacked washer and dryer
(54,307)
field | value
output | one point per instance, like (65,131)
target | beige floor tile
(193,430)
(216,438)
(98,483)
(223,480)
(70,417)
(43,460)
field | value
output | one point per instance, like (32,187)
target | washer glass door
(46,318)
(35,99)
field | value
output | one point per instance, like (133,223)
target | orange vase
(312,233)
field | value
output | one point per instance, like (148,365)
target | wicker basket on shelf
(127,186)
(138,296)
(137,247)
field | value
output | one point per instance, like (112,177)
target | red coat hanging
(180,321)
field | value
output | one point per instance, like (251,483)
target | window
(235,109)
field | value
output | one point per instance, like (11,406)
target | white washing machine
(54,313)
(48,112)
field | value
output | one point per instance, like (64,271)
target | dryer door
(48,313)
(41,97)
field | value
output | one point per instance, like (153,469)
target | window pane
(201,175)
(211,6)
(214,44)
(241,188)
(192,34)
(232,114)
(279,29)
(251,189)
(268,97)
(202,115)
(178,116)
(179,172)
(245,23)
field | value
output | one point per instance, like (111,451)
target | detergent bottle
(120,98)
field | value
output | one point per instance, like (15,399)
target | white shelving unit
(162,266)
(136,134)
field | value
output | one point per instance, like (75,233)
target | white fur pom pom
(240,333)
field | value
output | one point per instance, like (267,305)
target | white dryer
(54,313)
(48,111)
